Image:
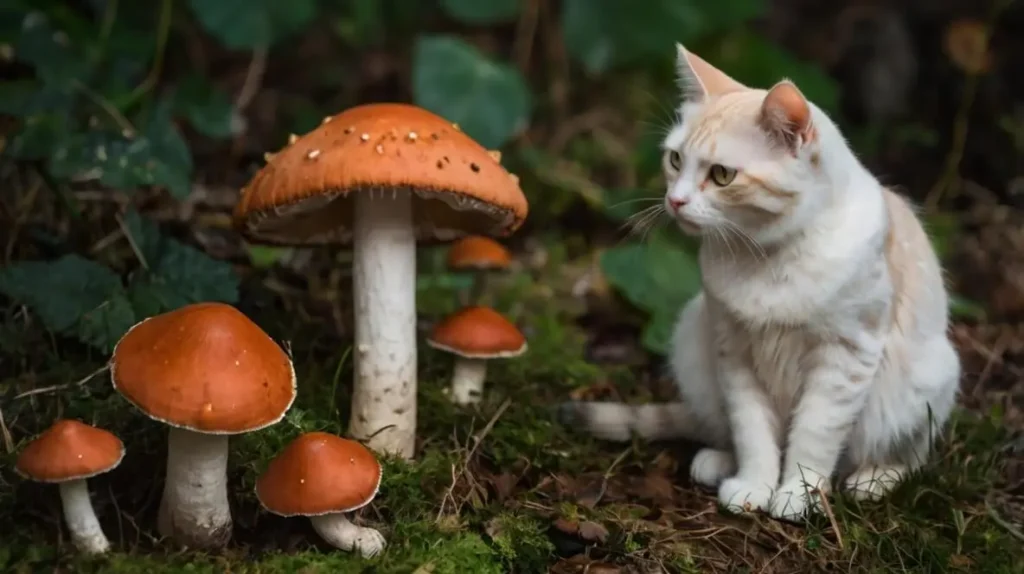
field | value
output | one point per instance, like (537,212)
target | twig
(479,439)
(253,79)
(131,242)
(1010,529)
(127,129)
(54,388)
(8,439)
(608,474)
(526,31)
(827,507)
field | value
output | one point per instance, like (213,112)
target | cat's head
(741,157)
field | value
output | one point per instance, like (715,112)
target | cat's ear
(700,79)
(786,115)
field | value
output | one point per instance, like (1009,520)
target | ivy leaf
(758,63)
(602,34)
(489,100)
(176,274)
(657,276)
(157,155)
(477,13)
(73,296)
(251,24)
(208,109)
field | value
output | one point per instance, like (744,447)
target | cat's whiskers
(643,221)
(634,200)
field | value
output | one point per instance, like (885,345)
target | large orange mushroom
(381,177)
(208,372)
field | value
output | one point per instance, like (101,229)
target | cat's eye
(721,175)
(675,159)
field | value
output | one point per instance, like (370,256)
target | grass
(490,484)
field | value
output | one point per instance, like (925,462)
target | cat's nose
(675,203)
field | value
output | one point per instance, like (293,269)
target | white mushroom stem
(86,534)
(384,286)
(194,510)
(339,532)
(468,380)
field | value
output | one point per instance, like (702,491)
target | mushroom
(68,454)
(480,254)
(323,476)
(381,177)
(475,335)
(208,372)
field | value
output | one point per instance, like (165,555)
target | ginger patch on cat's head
(765,140)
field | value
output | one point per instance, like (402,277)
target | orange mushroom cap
(319,473)
(478,252)
(301,195)
(478,333)
(69,450)
(205,367)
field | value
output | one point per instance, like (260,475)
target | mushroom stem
(479,287)
(468,380)
(384,286)
(194,510)
(86,533)
(339,532)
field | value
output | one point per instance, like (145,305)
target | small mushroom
(207,372)
(475,335)
(385,176)
(480,255)
(323,477)
(68,454)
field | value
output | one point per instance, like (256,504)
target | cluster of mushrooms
(379,177)
(208,372)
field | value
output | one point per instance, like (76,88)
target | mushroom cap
(478,252)
(478,333)
(302,195)
(319,473)
(69,450)
(205,367)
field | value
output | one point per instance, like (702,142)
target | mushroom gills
(194,509)
(468,378)
(339,532)
(86,533)
(384,288)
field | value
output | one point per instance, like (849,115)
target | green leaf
(602,34)
(489,100)
(176,274)
(758,63)
(657,276)
(251,24)
(483,13)
(50,51)
(208,109)
(73,296)
(157,156)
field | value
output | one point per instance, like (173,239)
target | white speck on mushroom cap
(352,460)
(292,138)
(312,154)
(365,137)
(327,119)
(412,136)
(380,149)
(349,130)
(237,363)
(302,481)
(267,156)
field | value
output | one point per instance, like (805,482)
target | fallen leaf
(593,531)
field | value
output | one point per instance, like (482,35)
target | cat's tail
(620,421)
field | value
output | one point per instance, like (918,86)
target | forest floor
(504,487)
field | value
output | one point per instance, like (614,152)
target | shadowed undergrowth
(498,488)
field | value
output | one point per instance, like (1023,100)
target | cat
(819,345)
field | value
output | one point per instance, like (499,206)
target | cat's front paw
(740,495)
(711,466)
(795,499)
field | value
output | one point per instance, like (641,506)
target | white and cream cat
(818,346)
